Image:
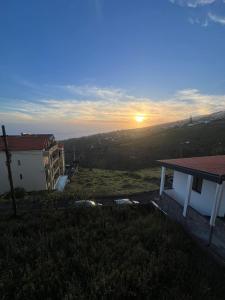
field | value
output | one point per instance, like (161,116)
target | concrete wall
(179,186)
(201,202)
(31,168)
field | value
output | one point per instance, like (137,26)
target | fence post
(8,164)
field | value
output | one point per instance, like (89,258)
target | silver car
(126,202)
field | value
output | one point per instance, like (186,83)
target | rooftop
(208,167)
(27,142)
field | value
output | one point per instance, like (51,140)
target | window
(19,162)
(197,184)
(21,176)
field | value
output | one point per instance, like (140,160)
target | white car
(125,202)
(86,203)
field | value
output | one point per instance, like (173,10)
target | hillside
(140,148)
(103,253)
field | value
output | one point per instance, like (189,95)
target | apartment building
(37,162)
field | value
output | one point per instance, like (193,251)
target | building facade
(37,162)
(198,182)
(202,194)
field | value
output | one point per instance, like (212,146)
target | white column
(188,194)
(216,204)
(162,183)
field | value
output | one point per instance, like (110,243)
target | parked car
(126,202)
(86,203)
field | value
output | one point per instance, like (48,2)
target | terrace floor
(196,224)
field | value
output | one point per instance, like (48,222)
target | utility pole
(74,154)
(8,164)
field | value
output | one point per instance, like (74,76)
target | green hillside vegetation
(103,253)
(140,148)
(92,183)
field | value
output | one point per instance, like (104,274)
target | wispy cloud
(97,93)
(204,22)
(203,16)
(193,3)
(217,19)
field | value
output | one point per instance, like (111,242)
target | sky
(79,67)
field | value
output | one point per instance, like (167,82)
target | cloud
(217,19)
(111,106)
(102,109)
(193,3)
(204,22)
(202,103)
(9,116)
(203,17)
(95,92)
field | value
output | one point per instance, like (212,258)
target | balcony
(54,160)
(55,170)
(49,151)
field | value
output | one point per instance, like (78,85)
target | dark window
(21,176)
(197,184)
(19,163)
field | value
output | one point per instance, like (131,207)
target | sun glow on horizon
(139,118)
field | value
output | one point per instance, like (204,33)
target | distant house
(37,162)
(198,182)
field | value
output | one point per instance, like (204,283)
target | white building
(198,182)
(37,162)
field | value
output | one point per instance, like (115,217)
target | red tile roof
(27,142)
(212,167)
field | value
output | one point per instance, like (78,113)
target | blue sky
(77,67)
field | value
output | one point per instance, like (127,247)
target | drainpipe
(188,194)
(162,183)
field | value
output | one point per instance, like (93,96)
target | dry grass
(97,182)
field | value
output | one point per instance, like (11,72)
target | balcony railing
(55,160)
(49,150)
(55,170)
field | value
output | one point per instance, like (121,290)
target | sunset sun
(139,118)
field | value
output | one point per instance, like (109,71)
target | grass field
(103,253)
(97,182)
